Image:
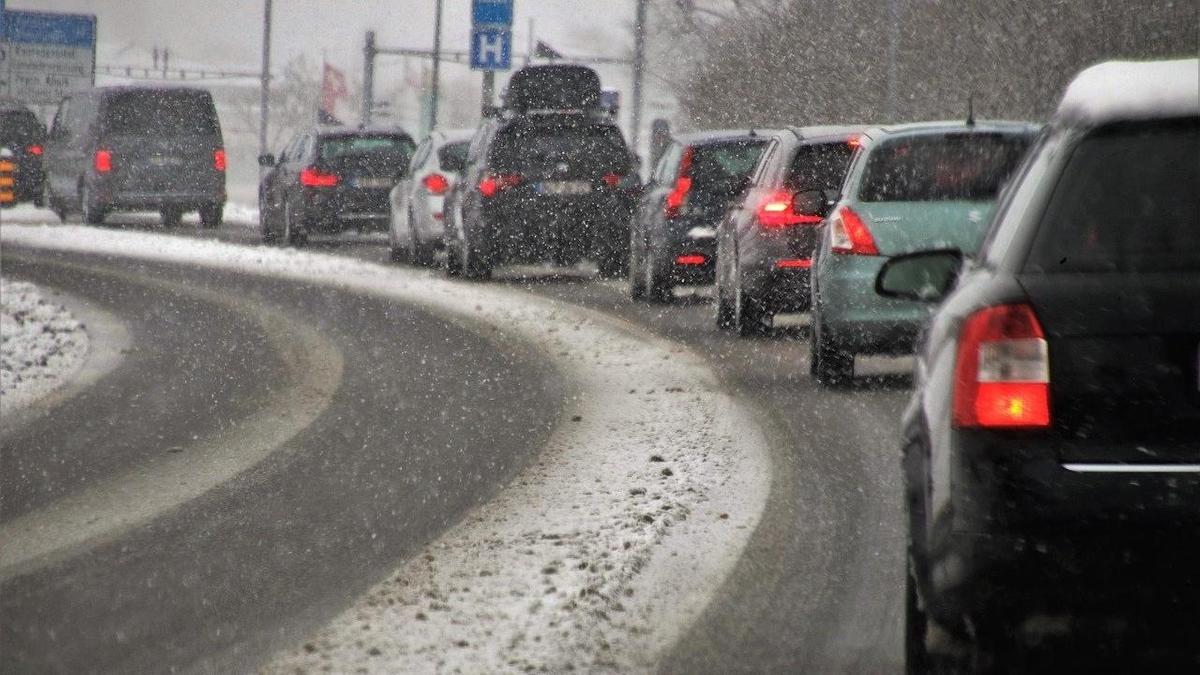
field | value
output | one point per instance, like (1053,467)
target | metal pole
(264,101)
(530,42)
(639,68)
(368,78)
(892,48)
(437,60)
(489,90)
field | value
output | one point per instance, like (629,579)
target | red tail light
(1002,372)
(677,198)
(102,161)
(612,179)
(219,159)
(793,264)
(435,184)
(493,184)
(34,149)
(315,178)
(850,234)
(691,259)
(778,210)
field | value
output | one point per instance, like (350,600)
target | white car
(415,231)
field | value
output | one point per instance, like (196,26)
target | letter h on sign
(491,49)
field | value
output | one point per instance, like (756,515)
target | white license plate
(565,187)
(373,183)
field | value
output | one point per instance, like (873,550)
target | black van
(23,134)
(136,149)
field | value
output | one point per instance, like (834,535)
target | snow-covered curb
(598,556)
(41,344)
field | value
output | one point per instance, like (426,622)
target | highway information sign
(491,34)
(45,56)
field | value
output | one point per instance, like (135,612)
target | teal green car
(910,187)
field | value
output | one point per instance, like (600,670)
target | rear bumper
(537,230)
(691,253)
(857,319)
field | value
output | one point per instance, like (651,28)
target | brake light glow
(778,210)
(493,184)
(850,235)
(102,161)
(315,178)
(612,179)
(691,259)
(219,159)
(435,184)
(793,263)
(1002,371)
(677,198)
(855,142)
(34,149)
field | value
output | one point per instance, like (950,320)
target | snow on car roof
(1130,90)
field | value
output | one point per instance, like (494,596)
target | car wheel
(419,253)
(264,223)
(829,365)
(473,265)
(171,216)
(57,205)
(637,282)
(658,284)
(211,215)
(725,315)
(93,214)
(748,317)
(453,260)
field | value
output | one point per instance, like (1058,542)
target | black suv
(1051,451)
(544,185)
(23,134)
(330,179)
(673,238)
(137,148)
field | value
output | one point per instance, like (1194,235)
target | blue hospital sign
(491,49)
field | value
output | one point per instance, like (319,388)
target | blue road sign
(45,28)
(45,56)
(492,12)
(491,48)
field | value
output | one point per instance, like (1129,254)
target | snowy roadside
(597,557)
(41,344)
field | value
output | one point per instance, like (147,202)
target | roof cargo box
(553,88)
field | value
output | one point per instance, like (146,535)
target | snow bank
(600,555)
(41,344)
(1133,90)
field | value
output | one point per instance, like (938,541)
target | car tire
(637,282)
(211,215)
(453,260)
(749,318)
(292,235)
(658,283)
(57,205)
(171,216)
(269,236)
(93,214)
(828,364)
(419,253)
(473,265)
(724,309)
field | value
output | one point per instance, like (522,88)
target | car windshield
(819,166)
(161,113)
(722,164)
(453,156)
(543,148)
(947,167)
(384,146)
(1129,201)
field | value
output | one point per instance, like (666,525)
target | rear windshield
(540,149)
(392,147)
(19,126)
(1128,201)
(819,167)
(453,156)
(933,168)
(161,113)
(719,165)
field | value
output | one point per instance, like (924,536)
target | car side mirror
(925,276)
(267,160)
(810,203)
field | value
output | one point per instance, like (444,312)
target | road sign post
(491,42)
(45,56)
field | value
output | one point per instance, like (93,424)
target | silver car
(417,201)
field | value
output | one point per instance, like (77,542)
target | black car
(134,149)
(673,237)
(552,186)
(765,245)
(23,134)
(329,180)
(1051,451)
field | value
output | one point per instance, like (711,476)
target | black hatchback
(24,135)
(1051,452)
(331,179)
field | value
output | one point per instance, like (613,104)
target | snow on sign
(45,56)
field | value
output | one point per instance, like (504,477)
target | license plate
(372,183)
(564,187)
(159,160)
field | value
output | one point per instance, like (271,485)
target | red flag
(333,89)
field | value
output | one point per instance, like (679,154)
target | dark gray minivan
(137,149)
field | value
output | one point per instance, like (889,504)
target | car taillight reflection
(219,159)
(436,184)
(493,184)
(315,178)
(102,161)
(34,149)
(1002,371)
(779,210)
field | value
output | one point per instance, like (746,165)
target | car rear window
(381,145)
(161,113)
(819,166)
(1128,201)
(539,148)
(19,126)
(934,168)
(453,156)
(726,163)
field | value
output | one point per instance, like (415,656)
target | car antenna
(970,110)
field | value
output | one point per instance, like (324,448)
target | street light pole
(639,68)
(892,49)
(368,78)
(437,60)
(265,95)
